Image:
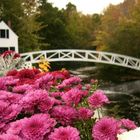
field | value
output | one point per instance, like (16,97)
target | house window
(4,33)
(12,48)
(2,50)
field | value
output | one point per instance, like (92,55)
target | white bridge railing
(83,56)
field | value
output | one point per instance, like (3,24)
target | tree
(22,16)
(12,12)
(80,27)
(119,33)
(54,31)
(30,6)
(66,28)
(29,39)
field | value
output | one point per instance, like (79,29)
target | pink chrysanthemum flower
(64,114)
(21,88)
(79,86)
(3,81)
(11,112)
(2,84)
(128,124)
(46,103)
(72,96)
(88,86)
(8,112)
(58,75)
(9,97)
(11,82)
(36,100)
(37,126)
(65,133)
(15,127)
(69,82)
(97,99)
(105,129)
(44,82)
(85,113)
(66,73)
(3,106)
(3,127)
(94,81)
(56,94)
(56,101)
(9,137)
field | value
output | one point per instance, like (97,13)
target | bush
(54,106)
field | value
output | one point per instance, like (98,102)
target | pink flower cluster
(73,96)
(108,128)
(52,106)
(69,82)
(98,99)
(85,113)
(64,114)
(33,128)
(36,101)
(65,133)
(105,129)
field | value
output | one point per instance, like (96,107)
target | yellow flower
(44,65)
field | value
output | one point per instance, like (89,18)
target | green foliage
(80,27)
(120,29)
(39,25)
(22,15)
(28,34)
(66,28)
(119,32)
(54,31)
(12,12)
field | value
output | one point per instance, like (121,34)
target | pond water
(125,102)
(124,97)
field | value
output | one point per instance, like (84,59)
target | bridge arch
(31,58)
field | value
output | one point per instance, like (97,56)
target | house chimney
(9,23)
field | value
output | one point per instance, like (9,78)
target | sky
(86,6)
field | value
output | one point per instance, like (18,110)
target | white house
(8,39)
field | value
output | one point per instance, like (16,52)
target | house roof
(3,23)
